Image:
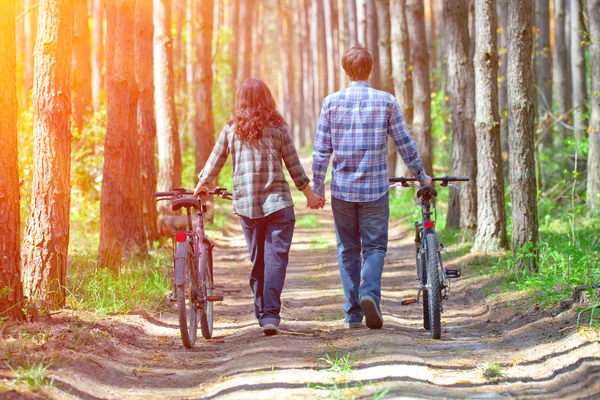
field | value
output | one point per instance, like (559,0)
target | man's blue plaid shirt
(354,125)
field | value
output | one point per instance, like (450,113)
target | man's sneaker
(270,329)
(352,325)
(373,317)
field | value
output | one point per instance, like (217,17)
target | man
(354,126)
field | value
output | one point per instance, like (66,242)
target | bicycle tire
(434,293)
(206,313)
(423,280)
(186,296)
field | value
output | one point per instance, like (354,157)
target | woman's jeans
(269,240)
(361,227)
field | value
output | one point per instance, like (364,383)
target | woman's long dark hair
(255,109)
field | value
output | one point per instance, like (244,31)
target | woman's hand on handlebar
(427,182)
(201,191)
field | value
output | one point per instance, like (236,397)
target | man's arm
(322,150)
(405,144)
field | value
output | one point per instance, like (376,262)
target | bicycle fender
(180,257)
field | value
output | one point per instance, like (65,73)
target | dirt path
(141,357)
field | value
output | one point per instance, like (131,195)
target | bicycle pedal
(214,298)
(453,273)
(408,301)
(172,297)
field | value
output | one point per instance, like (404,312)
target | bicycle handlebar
(178,192)
(444,179)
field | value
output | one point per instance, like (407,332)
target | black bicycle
(432,276)
(193,265)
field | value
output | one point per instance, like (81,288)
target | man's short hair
(358,63)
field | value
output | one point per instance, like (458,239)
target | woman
(258,139)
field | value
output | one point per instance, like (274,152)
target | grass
(339,364)
(493,372)
(319,243)
(308,221)
(33,377)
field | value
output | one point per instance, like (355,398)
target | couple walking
(353,126)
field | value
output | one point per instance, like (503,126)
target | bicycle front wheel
(186,294)
(434,294)
(206,313)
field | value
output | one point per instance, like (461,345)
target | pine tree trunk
(283,29)
(322,50)
(543,63)
(593,164)
(146,125)
(31,27)
(521,115)
(81,88)
(204,130)
(301,124)
(179,47)
(121,221)
(502,8)
(313,26)
(244,57)
(462,205)
(97,53)
(491,217)
(46,242)
(415,17)
(257,40)
(235,40)
(403,86)
(310,109)
(578,69)
(361,22)
(372,41)
(11,289)
(169,150)
(330,41)
(352,28)
(185,125)
(561,82)
(431,44)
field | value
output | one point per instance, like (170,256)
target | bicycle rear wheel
(434,294)
(187,294)
(206,312)
(422,265)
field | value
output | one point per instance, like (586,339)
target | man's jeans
(269,240)
(355,224)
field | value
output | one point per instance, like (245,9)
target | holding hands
(313,201)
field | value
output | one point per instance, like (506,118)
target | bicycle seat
(426,191)
(186,202)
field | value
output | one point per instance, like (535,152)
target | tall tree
(257,28)
(361,22)
(121,221)
(244,56)
(169,151)
(284,29)
(306,47)
(521,115)
(81,86)
(372,41)
(415,17)
(431,40)
(11,289)
(146,125)
(403,86)
(578,69)
(502,8)
(322,52)
(235,34)
(31,27)
(491,217)
(561,76)
(593,165)
(543,65)
(352,27)
(204,131)
(462,205)
(301,80)
(46,242)
(179,47)
(97,53)
(330,40)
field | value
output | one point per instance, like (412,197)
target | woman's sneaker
(373,317)
(352,325)
(270,330)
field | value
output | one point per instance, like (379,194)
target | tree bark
(179,48)
(310,108)
(46,242)
(352,28)
(299,34)
(283,28)
(121,222)
(185,126)
(97,53)
(146,125)
(421,84)
(593,164)
(372,41)
(11,289)
(521,115)
(330,43)
(491,217)
(322,52)
(561,82)
(403,85)
(235,40)
(462,205)
(81,86)
(257,39)
(169,150)
(361,22)
(431,44)
(31,27)
(543,63)
(204,130)
(578,69)
(502,8)
(244,57)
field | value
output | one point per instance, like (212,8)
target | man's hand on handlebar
(201,191)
